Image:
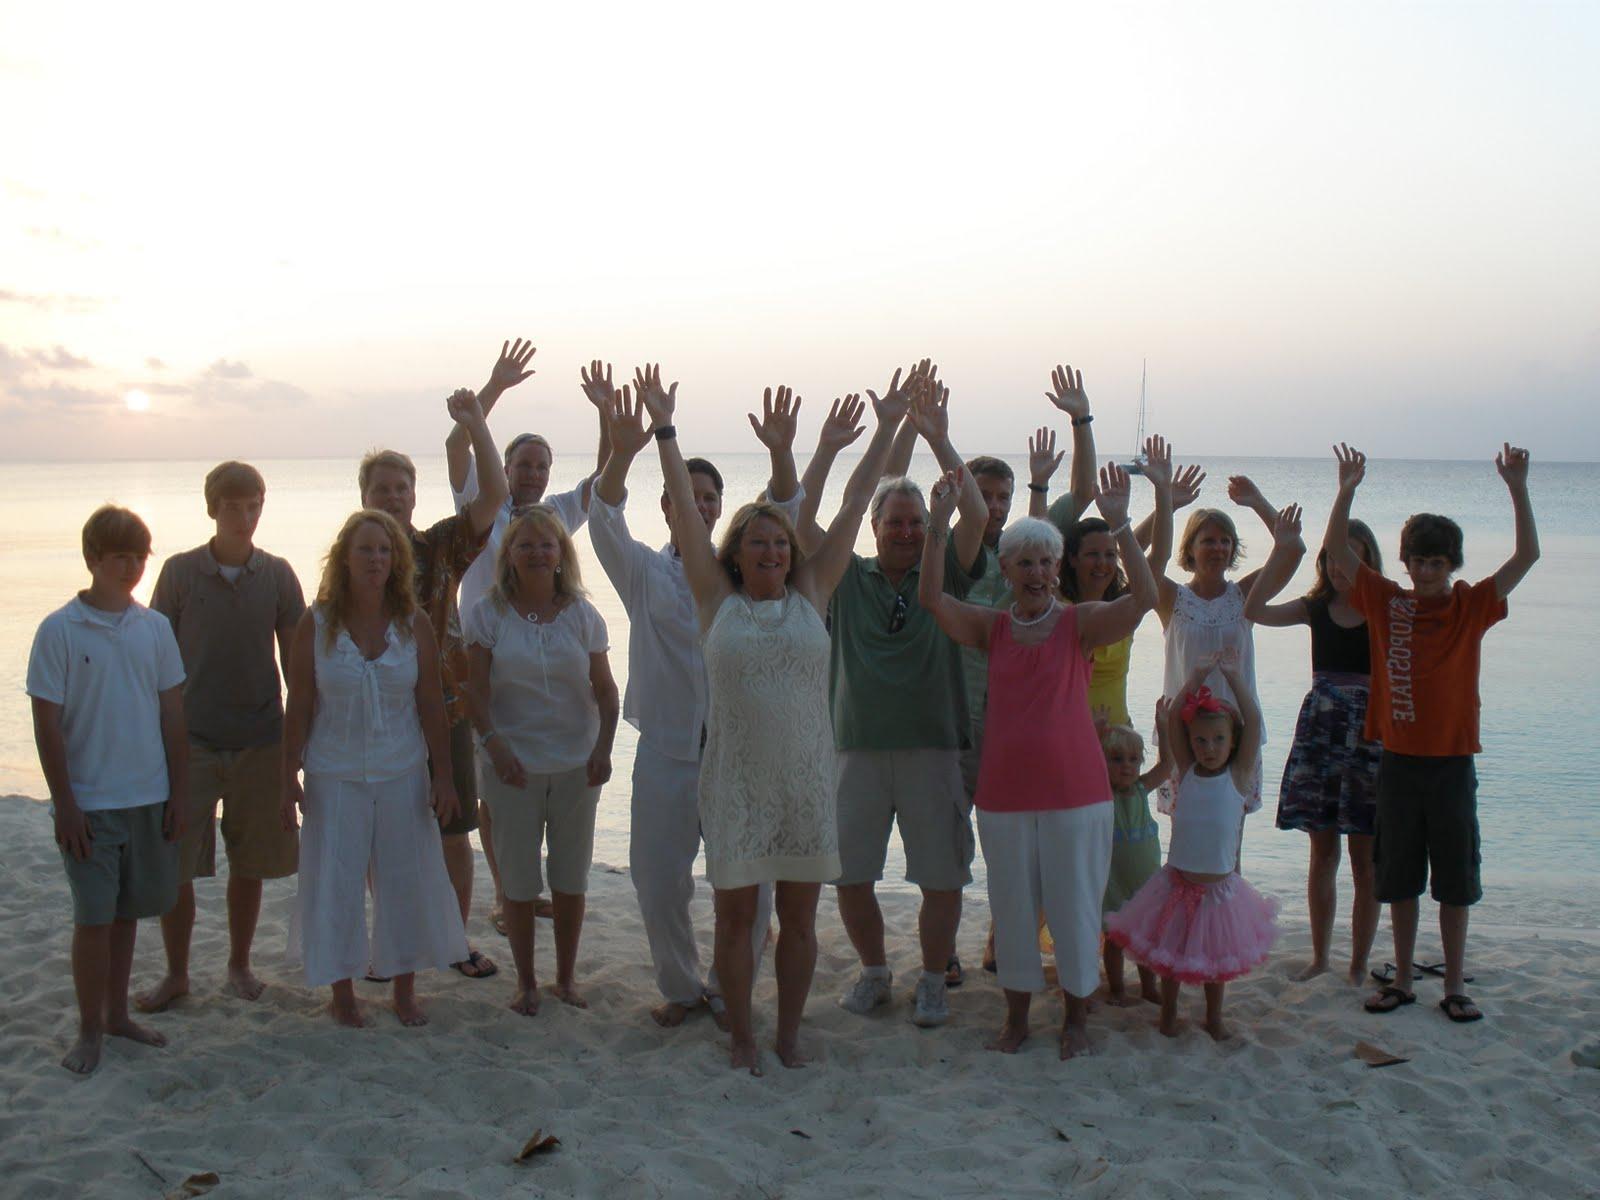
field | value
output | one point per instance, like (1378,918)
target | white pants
(662,844)
(386,832)
(1056,860)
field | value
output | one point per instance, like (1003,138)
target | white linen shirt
(541,700)
(479,577)
(667,694)
(364,726)
(107,672)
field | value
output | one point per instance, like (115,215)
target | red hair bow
(1195,703)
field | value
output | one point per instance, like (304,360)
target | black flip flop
(1388,991)
(1455,1008)
(477,961)
(1385,973)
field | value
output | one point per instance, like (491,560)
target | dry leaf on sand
(196,1185)
(540,1143)
(1377,1056)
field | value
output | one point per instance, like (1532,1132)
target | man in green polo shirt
(900,722)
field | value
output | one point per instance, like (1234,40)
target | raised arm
(1512,463)
(841,428)
(707,580)
(297,708)
(966,624)
(1242,490)
(492,490)
(780,417)
(1177,734)
(626,434)
(1186,483)
(1244,759)
(1158,470)
(1162,771)
(510,369)
(1043,460)
(930,414)
(1336,541)
(597,389)
(1103,622)
(1288,548)
(1066,393)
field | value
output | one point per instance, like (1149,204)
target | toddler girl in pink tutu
(1197,920)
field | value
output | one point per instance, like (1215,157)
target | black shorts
(464,772)
(1427,826)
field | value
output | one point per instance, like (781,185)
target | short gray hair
(896,485)
(1030,533)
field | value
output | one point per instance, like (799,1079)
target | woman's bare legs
(1322,897)
(1364,911)
(569,909)
(519,932)
(795,962)
(736,969)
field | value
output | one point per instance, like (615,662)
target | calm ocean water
(1539,805)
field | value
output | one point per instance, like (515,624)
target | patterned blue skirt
(1331,778)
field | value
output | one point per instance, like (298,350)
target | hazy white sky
(296,228)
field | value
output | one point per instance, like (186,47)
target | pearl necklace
(1024,623)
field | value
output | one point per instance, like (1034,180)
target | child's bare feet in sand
(1218,1031)
(163,994)
(1311,971)
(526,1001)
(671,1014)
(568,993)
(744,1055)
(1074,1041)
(789,1055)
(243,984)
(84,1056)
(1009,1040)
(1148,988)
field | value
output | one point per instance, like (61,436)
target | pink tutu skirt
(1196,932)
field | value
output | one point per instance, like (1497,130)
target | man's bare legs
(937,923)
(569,909)
(1453,934)
(1403,921)
(177,931)
(244,910)
(863,922)
(736,969)
(795,962)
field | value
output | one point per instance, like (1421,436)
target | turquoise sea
(1539,804)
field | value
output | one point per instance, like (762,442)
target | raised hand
(1186,485)
(1512,463)
(892,405)
(625,423)
(462,405)
(1042,457)
(930,413)
(1158,462)
(512,366)
(1066,392)
(1111,497)
(1352,466)
(659,402)
(597,387)
(780,418)
(1286,529)
(944,497)
(842,425)
(1242,490)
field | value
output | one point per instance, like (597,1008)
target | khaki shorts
(249,783)
(922,791)
(464,774)
(558,808)
(131,871)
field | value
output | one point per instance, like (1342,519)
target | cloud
(223,369)
(155,364)
(59,236)
(58,359)
(75,304)
(58,397)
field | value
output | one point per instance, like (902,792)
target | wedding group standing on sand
(795,702)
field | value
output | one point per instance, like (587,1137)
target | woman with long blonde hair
(364,720)
(544,704)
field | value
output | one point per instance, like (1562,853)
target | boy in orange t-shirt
(1424,709)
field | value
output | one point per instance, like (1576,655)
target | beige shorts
(555,808)
(921,790)
(248,782)
(131,871)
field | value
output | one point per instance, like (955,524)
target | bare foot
(1311,971)
(743,1054)
(526,1001)
(410,1012)
(1218,1031)
(719,1011)
(134,1032)
(243,984)
(1169,1025)
(1074,1041)
(158,998)
(84,1056)
(1009,1040)
(568,994)
(671,1014)
(1357,974)
(349,1012)
(1121,999)
(789,1054)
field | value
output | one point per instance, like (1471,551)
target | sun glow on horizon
(137,401)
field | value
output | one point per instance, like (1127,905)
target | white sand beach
(278,1101)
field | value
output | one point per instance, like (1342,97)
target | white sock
(877,972)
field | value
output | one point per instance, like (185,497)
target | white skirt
(384,834)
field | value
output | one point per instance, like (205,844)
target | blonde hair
(1198,520)
(384,458)
(399,590)
(1122,737)
(1235,724)
(733,537)
(543,517)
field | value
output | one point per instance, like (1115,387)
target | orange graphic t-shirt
(1425,658)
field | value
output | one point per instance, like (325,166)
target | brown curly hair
(399,592)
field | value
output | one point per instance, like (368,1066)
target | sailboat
(1135,466)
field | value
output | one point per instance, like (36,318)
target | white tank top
(364,725)
(1206,822)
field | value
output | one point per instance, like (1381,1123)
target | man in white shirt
(666,702)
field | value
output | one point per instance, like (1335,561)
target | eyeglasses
(897,615)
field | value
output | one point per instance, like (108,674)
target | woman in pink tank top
(1044,799)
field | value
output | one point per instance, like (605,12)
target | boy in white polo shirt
(106,681)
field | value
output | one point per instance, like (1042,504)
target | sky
(293,230)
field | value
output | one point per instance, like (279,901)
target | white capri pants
(385,832)
(1056,860)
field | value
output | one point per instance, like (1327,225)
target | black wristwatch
(666,433)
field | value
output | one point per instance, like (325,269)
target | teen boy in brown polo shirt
(229,601)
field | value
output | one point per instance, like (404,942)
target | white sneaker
(869,992)
(933,1002)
